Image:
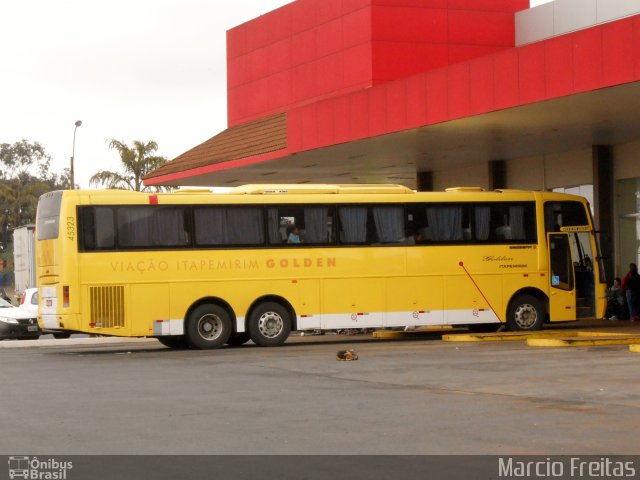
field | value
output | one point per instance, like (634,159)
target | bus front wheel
(208,326)
(525,314)
(269,324)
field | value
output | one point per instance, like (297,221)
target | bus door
(582,255)
(562,298)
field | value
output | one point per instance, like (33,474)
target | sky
(128,69)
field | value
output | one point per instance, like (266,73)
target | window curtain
(516,222)
(210,225)
(445,223)
(354,224)
(316,221)
(135,226)
(389,224)
(104,234)
(273,220)
(229,226)
(168,227)
(244,226)
(482,223)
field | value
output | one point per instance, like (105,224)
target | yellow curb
(584,341)
(523,336)
(392,334)
(600,334)
(503,337)
(634,348)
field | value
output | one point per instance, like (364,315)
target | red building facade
(432,94)
(310,50)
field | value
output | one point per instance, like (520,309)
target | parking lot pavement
(400,397)
(81,339)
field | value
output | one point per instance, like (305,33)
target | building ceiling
(607,116)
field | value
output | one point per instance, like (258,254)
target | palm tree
(137,161)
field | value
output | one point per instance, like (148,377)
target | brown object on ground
(346,355)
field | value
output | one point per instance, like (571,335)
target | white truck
(24,258)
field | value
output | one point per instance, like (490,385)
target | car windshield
(5,304)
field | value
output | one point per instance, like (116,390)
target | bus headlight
(8,320)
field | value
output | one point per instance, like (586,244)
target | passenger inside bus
(293,235)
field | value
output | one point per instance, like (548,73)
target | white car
(29,303)
(17,323)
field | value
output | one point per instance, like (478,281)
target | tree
(137,161)
(20,188)
(23,157)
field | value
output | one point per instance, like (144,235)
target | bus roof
(313,193)
(310,188)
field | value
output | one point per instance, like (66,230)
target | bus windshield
(48,215)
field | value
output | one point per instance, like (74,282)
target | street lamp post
(73,154)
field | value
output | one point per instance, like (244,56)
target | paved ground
(94,396)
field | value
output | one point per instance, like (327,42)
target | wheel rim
(270,324)
(210,327)
(526,315)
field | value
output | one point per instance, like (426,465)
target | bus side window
(504,222)
(353,224)
(446,222)
(313,223)
(227,226)
(389,224)
(96,224)
(416,224)
(87,228)
(168,227)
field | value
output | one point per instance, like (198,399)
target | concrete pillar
(602,160)
(497,174)
(424,181)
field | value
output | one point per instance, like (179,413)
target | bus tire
(238,339)
(208,326)
(269,324)
(61,335)
(525,314)
(174,341)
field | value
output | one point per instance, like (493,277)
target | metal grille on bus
(107,306)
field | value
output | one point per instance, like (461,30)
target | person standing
(631,288)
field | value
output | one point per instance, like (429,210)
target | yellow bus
(202,269)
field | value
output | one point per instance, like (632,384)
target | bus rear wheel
(208,326)
(238,339)
(269,324)
(525,314)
